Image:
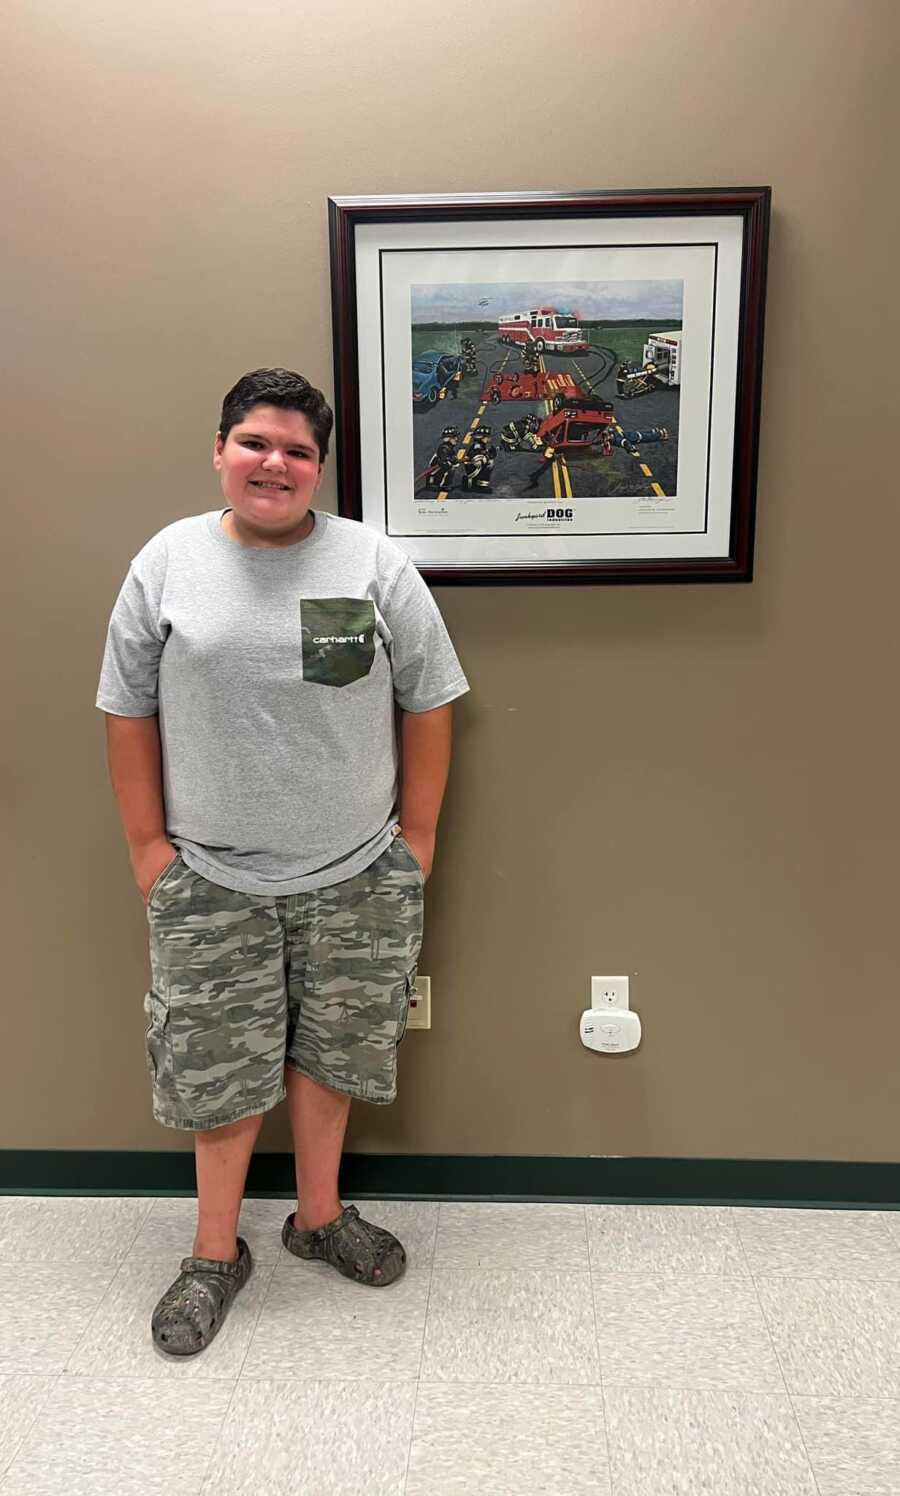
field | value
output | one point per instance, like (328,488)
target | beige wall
(696,785)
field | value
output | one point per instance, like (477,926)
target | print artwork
(545,391)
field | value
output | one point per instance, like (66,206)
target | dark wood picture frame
(749,205)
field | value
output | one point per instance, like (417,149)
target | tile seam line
(803,1440)
(204,1479)
(603,1401)
(91,1317)
(54,1379)
(272,1269)
(409,1380)
(759,1305)
(771,1335)
(418,1380)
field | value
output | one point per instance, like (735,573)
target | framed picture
(553,387)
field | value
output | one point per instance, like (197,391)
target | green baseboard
(837,1184)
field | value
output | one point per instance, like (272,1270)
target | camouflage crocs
(359,1250)
(190,1313)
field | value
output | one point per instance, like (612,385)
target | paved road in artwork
(573,472)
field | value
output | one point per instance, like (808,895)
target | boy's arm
(135,769)
(424,765)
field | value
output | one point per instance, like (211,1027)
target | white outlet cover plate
(419,1016)
(609,992)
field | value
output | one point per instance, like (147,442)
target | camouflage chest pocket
(338,639)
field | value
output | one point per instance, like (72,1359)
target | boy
(254,663)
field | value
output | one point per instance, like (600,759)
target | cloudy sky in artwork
(592,301)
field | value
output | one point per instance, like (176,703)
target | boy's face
(270,468)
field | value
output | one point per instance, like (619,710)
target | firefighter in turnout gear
(479,463)
(467,349)
(530,359)
(633,440)
(440,468)
(521,435)
(631,382)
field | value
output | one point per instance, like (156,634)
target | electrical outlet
(609,992)
(419,1016)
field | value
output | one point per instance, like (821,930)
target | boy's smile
(270,468)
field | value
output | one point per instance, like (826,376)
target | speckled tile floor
(599,1350)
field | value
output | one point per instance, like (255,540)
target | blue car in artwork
(433,374)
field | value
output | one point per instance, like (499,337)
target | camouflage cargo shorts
(243,985)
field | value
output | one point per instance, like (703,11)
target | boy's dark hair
(284,388)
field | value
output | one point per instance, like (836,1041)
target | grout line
(803,1439)
(237,1379)
(412,1429)
(218,1438)
(53,1380)
(756,1293)
(771,1336)
(91,1317)
(272,1266)
(140,1226)
(599,1357)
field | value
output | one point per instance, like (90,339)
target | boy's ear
(218,444)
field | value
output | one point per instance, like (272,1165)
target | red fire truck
(545,327)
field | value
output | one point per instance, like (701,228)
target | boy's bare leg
(223,1158)
(318,1122)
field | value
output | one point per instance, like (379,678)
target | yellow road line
(555,469)
(562,487)
(562,484)
(645,470)
(660,492)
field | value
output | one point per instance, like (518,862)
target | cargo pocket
(338,635)
(157,1039)
(410,988)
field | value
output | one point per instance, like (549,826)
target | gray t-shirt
(275,672)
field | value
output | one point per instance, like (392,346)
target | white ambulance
(664,350)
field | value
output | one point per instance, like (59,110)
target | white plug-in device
(609,1025)
(611,1033)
